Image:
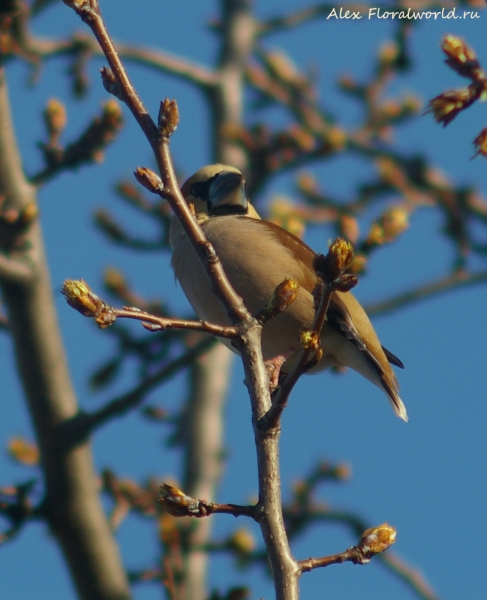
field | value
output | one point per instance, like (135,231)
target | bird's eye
(199,190)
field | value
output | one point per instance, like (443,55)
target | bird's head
(217,190)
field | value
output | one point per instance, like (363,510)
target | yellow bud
(55,117)
(112,109)
(376,235)
(359,264)
(28,214)
(168,529)
(342,253)
(378,539)
(388,52)
(282,66)
(456,49)
(302,137)
(307,183)
(480,143)
(285,294)
(23,451)
(411,104)
(336,137)
(309,340)
(80,297)
(395,221)
(349,227)
(343,471)
(242,541)
(176,502)
(114,279)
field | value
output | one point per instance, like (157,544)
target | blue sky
(427,477)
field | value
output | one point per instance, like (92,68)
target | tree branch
(134,397)
(160,61)
(13,270)
(372,541)
(456,280)
(180,504)
(204,456)
(72,503)
(411,576)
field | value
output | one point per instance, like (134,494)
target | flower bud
(149,179)
(284,295)
(55,118)
(168,118)
(242,541)
(310,340)
(80,297)
(448,105)
(461,58)
(176,502)
(480,143)
(377,539)
(336,262)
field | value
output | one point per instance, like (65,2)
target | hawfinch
(257,256)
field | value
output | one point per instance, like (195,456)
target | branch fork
(332,276)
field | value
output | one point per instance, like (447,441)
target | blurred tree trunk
(72,505)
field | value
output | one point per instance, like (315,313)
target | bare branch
(131,399)
(410,575)
(178,504)
(296,521)
(156,59)
(301,17)
(72,505)
(159,140)
(456,280)
(88,148)
(331,276)
(373,541)
(80,297)
(14,271)
(16,507)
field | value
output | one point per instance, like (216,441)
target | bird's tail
(391,388)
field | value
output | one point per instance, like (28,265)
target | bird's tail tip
(399,408)
(391,389)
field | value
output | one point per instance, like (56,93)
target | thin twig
(179,504)
(330,277)
(280,400)
(159,140)
(131,399)
(451,282)
(296,522)
(72,505)
(147,57)
(373,541)
(411,576)
(161,323)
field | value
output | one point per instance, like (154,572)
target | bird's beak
(228,189)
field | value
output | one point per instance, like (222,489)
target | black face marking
(201,189)
(228,209)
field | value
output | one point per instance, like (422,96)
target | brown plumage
(257,256)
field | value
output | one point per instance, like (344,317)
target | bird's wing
(392,358)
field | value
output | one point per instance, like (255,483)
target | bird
(257,256)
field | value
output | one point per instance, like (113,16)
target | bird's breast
(255,263)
